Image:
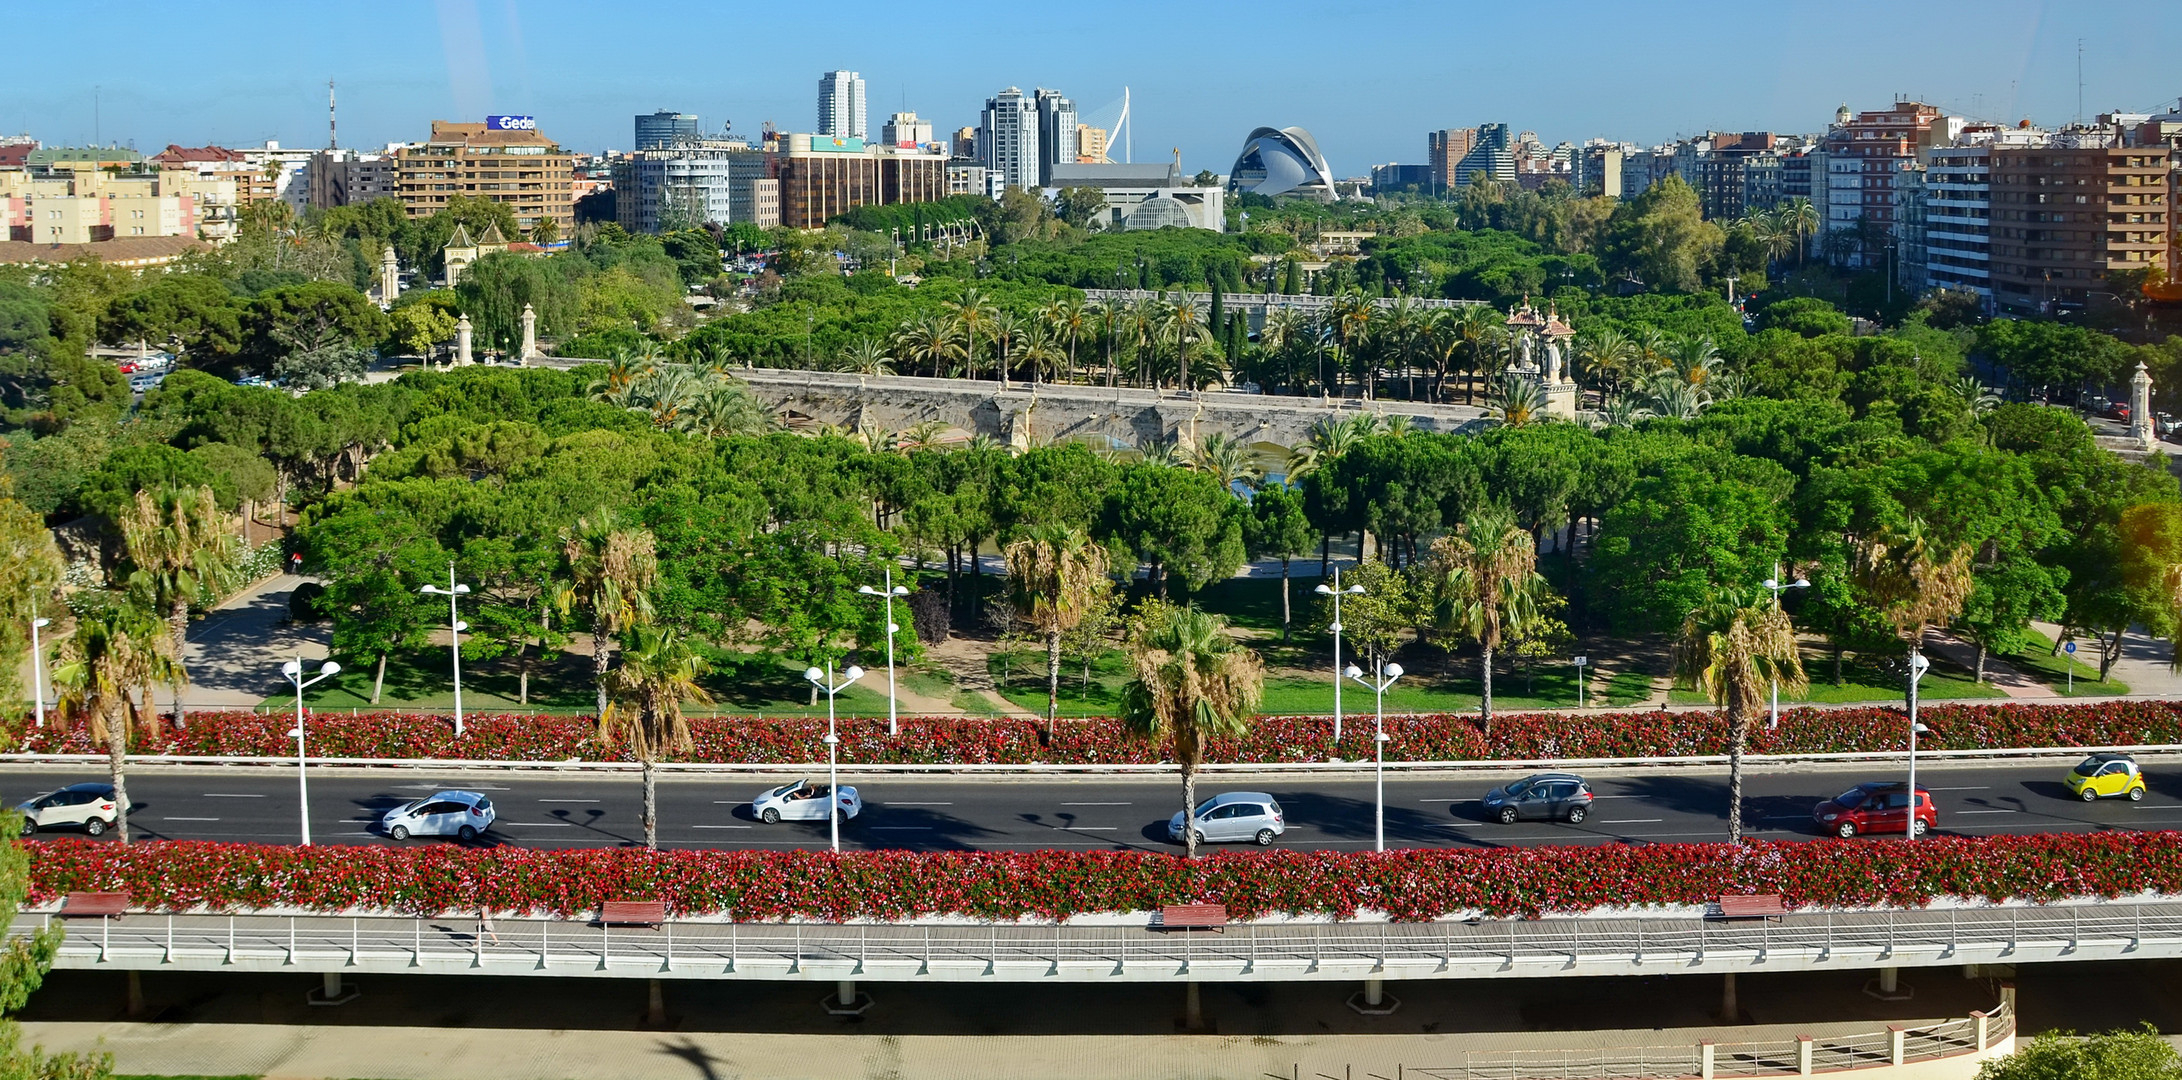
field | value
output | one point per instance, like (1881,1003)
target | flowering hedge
(1409,885)
(943,741)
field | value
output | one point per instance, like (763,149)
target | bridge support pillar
(1731,1009)
(1193,1007)
(332,991)
(845,1000)
(1374,1000)
(136,994)
(655,1003)
(1888,986)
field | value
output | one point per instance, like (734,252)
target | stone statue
(1523,352)
(1553,363)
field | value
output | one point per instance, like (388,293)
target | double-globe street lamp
(889,591)
(824,681)
(1918,665)
(293,669)
(1337,592)
(455,627)
(37,661)
(1387,674)
(1773,585)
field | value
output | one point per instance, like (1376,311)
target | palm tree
(114,653)
(972,313)
(1226,460)
(658,673)
(1481,329)
(1165,452)
(1976,396)
(1488,585)
(1183,327)
(1006,328)
(724,408)
(1621,410)
(181,548)
(1191,683)
(1652,348)
(1066,319)
(1802,221)
(1055,573)
(1911,581)
(928,341)
(1514,401)
(1694,359)
(1671,398)
(1608,357)
(867,356)
(1733,647)
(1144,318)
(610,571)
(1040,354)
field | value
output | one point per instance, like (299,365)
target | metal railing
(1306,301)
(1030,952)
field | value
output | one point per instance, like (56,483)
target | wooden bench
(650,913)
(1211,917)
(1761,906)
(94,905)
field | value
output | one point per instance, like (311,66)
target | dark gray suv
(1544,797)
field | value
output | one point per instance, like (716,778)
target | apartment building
(1864,154)
(72,207)
(504,159)
(2069,215)
(1443,151)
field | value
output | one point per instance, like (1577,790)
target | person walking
(485,928)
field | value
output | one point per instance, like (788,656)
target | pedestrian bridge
(960,952)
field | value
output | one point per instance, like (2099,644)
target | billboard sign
(837,144)
(511,123)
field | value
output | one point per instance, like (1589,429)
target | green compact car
(2106,776)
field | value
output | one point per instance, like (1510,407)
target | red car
(1875,808)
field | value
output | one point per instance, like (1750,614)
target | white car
(802,801)
(460,814)
(90,806)
(1234,816)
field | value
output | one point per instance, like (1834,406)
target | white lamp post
(1773,585)
(293,669)
(1388,673)
(1337,592)
(37,661)
(889,591)
(455,627)
(1918,665)
(824,680)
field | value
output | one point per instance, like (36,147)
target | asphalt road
(989,814)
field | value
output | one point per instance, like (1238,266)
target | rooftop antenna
(2079,80)
(95,135)
(333,136)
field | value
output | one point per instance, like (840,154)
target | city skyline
(1590,76)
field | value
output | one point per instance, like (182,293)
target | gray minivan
(1234,817)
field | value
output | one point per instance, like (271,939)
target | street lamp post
(37,661)
(1773,585)
(1387,674)
(824,681)
(455,627)
(293,669)
(889,591)
(1337,592)
(1918,665)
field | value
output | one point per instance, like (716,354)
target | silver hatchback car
(460,814)
(1234,817)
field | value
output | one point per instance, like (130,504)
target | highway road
(935,813)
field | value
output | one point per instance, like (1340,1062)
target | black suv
(1544,797)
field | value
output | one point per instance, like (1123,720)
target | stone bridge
(1025,414)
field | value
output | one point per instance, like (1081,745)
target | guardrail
(1157,769)
(961,952)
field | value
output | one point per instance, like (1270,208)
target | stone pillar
(530,333)
(2140,408)
(1803,1055)
(1704,1059)
(462,341)
(390,278)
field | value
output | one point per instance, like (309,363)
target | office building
(684,185)
(841,104)
(2069,215)
(970,178)
(1443,150)
(352,177)
(1491,156)
(1056,133)
(904,131)
(1386,178)
(508,162)
(664,128)
(822,177)
(1007,139)
(1148,196)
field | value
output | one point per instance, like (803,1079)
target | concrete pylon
(530,333)
(2140,408)
(390,277)
(462,342)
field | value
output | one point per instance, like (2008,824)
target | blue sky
(1367,79)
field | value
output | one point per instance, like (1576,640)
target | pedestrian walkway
(1998,673)
(2145,665)
(235,652)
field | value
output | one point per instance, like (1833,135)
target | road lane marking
(536,824)
(224,795)
(571,800)
(1632,821)
(1988,811)
(1063,804)
(1446,800)
(443,787)
(719,826)
(1088,828)
(189,819)
(1979,787)
(1457,824)
(891,802)
(900,828)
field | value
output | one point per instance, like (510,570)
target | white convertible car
(802,801)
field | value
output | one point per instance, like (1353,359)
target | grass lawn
(1865,681)
(1627,688)
(2039,663)
(740,682)
(1455,690)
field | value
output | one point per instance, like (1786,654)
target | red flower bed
(1409,885)
(945,741)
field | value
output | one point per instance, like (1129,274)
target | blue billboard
(511,123)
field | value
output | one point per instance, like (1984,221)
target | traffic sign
(2069,647)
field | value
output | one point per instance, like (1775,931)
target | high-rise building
(1443,150)
(964,144)
(1490,157)
(841,104)
(688,184)
(1007,138)
(821,178)
(664,128)
(1056,133)
(518,167)
(2067,216)
(1598,168)
(1863,154)
(903,130)
(1091,145)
